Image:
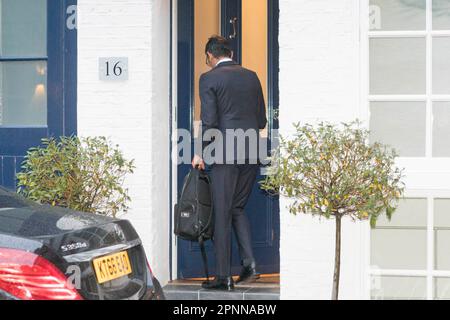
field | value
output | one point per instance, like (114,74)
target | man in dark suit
(232,103)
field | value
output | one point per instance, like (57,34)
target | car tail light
(27,276)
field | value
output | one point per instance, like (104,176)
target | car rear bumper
(154,292)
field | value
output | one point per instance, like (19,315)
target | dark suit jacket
(232,98)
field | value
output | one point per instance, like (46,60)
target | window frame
(61,82)
(61,93)
(430,273)
(427,177)
(429,98)
(30,58)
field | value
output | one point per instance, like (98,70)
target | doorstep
(263,289)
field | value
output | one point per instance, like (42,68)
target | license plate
(111,267)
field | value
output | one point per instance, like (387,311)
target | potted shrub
(81,174)
(332,171)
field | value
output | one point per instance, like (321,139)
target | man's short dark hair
(219,47)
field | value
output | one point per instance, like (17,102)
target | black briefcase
(194,214)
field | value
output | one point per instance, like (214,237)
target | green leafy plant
(81,174)
(333,171)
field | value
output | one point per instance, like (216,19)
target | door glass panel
(389,288)
(442,288)
(399,249)
(23,93)
(441,65)
(442,233)
(255,40)
(410,213)
(23,28)
(206,24)
(401,244)
(441,14)
(442,243)
(397,66)
(441,129)
(400,125)
(397,14)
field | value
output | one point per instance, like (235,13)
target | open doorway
(252,28)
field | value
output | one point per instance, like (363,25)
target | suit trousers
(232,185)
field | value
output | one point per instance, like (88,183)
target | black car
(50,253)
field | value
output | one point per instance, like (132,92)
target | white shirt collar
(223,60)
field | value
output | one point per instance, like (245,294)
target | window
(409,254)
(409,82)
(409,105)
(23,63)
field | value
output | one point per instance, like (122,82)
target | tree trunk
(337,259)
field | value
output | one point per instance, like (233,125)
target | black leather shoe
(219,283)
(248,275)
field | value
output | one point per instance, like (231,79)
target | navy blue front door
(262,210)
(38,77)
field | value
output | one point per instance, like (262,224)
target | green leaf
(82,174)
(336,163)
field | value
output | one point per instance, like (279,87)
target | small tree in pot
(334,172)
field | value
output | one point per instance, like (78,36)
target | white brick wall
(319,80)
(134,113)
(319,61)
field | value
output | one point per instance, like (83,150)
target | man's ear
(210,56)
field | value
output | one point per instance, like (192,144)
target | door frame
(272,99)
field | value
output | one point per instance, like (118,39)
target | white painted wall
(319,80)
(134,113)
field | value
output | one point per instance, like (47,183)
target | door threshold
(266,288)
